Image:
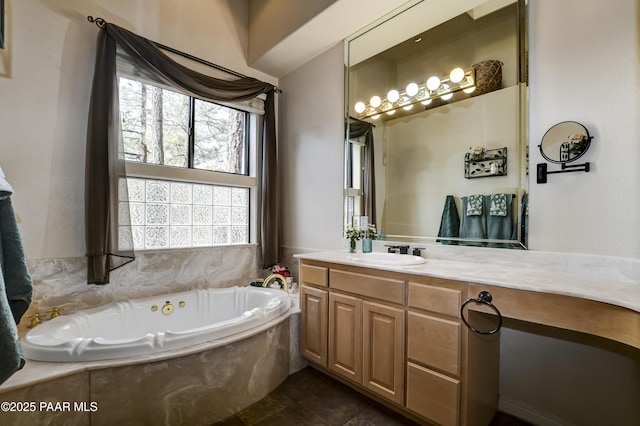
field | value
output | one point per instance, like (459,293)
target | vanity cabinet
(366,333)
(399,337)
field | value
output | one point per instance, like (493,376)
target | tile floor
(309,397)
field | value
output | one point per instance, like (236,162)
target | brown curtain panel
(105,164)
(358,129)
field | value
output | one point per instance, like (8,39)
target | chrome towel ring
(484,298)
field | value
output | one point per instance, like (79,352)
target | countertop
(583,283)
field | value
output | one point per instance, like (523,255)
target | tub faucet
(55,312)
(35,319)
(276,277)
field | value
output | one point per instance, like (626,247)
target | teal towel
(11,358)
(16,287)
(474,205)
(498,206)
(450,221)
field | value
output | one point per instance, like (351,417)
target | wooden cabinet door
(314,307)
(433,395)
(383,346)
(345,336)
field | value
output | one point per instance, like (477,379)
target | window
(191,169)
(354,180)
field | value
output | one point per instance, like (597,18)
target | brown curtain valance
(105,165)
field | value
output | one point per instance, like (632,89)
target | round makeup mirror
(565,142)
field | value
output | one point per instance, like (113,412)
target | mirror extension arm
(542,170)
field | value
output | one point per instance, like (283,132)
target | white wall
(592,77)
(45,82)
(311,142)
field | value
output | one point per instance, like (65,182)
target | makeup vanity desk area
(395,332)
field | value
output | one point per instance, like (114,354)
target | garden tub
(155,324)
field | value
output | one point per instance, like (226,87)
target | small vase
(352,246)
(367,245)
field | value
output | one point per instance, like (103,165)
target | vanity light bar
(443,87)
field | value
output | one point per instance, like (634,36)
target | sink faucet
(276,277)
(402,249)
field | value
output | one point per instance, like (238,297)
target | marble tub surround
(196,388)
(62,282)
(522,270)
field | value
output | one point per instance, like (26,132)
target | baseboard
(529,414)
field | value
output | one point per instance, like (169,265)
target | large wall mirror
(436,104)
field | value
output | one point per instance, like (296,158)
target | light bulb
(469,89)
(448,95)
(375,101)
(359,107)
(375,117)
(457,75)
(433,83)
(407,107)
(393,111)
(393,95)
(412,89)
(427,102)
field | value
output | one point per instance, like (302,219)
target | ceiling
(310,35)
(285,34)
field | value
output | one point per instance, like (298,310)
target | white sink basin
(393,259)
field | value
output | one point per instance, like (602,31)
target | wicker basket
(488,76)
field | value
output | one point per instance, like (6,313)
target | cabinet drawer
(314,275)
(434,342)
(366,285)
(436,299)
(433,395)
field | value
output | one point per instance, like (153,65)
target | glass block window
(167,214)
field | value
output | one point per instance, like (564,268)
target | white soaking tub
(154,324)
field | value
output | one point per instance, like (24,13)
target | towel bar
(484,298)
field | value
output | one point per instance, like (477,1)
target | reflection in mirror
(435,158)
(565,142)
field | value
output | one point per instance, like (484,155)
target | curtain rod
(100,23)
